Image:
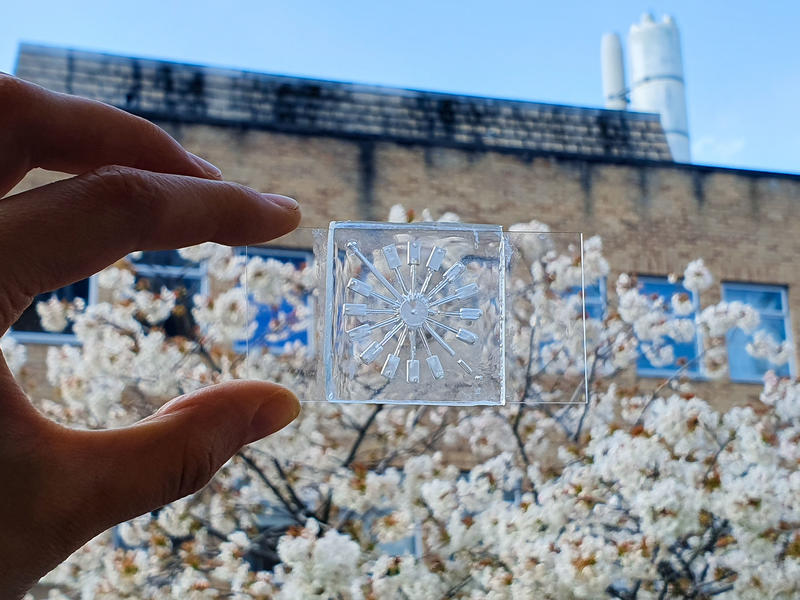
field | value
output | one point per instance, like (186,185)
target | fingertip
(272,406)
(290,214)
(276,411)
(210,170)
(282,215)
(282,201)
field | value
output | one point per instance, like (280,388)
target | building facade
(350,152)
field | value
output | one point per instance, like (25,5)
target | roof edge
(525,153)
(387,90)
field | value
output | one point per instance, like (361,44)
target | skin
(135,188)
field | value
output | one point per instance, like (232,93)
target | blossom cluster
(647,491)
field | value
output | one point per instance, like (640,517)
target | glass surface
(769,301)
(275,328)
(747,368)
(660,292)
(594,297)
(758,297)
(278,327)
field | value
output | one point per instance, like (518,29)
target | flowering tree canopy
(644,492)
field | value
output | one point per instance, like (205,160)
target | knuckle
(115,178)
(128,190)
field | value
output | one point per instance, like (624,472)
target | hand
(61,487)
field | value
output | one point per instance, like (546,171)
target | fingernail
(207,167)
(274,414)
(282,201)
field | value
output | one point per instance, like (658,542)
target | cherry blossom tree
(643,492)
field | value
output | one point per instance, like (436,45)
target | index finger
(40,128)
(67,230)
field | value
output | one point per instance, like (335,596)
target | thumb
(176,451)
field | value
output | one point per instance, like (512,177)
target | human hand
(60,487)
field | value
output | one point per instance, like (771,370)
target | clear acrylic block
(414,314)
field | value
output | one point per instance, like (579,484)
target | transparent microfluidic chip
(433,313)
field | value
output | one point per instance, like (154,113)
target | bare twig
(325,513)
(362,432)
(666,382)
(515,431)
(292,495)
(260,474)
(713,462)
(587,382)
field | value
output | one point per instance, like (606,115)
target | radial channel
(408,313)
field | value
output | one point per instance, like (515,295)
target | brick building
(351,151)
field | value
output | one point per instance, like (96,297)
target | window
(594,298)
(594,303)
(659,289)
(166,268)
(28,328)
(771,303)
(266,334)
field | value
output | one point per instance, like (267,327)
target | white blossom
(763,345)
(52,314)
(226,318)
(398,214)
(682,304)
(697,277)
(155,308)
(205,251)
(14,353)
(659,355)
(520,501)
(719,318)
(120,281)
(266,280)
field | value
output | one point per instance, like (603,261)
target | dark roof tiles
(168,91)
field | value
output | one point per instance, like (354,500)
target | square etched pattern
(415,314)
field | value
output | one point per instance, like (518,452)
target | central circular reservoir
(414,311)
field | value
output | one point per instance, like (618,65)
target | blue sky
(741,59)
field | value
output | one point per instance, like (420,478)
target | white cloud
(717,150)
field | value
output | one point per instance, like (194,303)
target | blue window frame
(684,352)
(267,314)
(28,328)
(771,302)
(167,268)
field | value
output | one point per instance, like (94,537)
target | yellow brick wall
(653,218)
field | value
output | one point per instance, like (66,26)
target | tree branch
(586,382)
(666,382)
(292,495)
(515,431)
(362,432)
(287,505)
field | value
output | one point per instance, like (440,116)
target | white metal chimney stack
(657,79)
(613,70)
